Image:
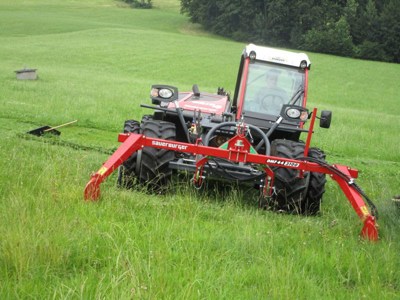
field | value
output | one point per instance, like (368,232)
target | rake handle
(62,125)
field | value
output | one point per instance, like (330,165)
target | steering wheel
(264,138)
(272,100)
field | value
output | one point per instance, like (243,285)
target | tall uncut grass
(96,61)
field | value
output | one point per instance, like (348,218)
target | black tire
(148,167)
(289,190)
(131,126)
(153,169)
(316,185)
(126,172)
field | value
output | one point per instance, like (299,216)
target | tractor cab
(267,80)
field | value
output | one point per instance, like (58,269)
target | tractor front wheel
(316,185)
(126,171)
(153,168)
(289,189)
(292,193)
(148,167)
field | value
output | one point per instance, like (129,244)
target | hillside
(96,61)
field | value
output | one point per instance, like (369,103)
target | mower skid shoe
(370,230)
(129,146)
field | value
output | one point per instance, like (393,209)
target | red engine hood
(206,103)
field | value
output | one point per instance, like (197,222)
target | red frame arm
(131,144)
(238,151)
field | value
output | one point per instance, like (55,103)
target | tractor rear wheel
(316,185)
(289,189)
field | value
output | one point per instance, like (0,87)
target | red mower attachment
(238,150)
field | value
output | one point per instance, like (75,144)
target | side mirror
(163,93)
(325,119)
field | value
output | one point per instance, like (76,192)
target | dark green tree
(390,29)
(333,38)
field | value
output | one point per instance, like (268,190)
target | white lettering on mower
(169,145)
(283,163)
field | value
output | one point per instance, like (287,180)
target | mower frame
(239,150)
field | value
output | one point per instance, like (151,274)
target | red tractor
(252,139)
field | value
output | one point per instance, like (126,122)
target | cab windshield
(269,86)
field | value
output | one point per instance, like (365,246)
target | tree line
(367,29)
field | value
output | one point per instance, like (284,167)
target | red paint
(238,151)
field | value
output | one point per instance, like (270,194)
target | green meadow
(96,61)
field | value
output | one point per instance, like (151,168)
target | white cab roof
(277,56)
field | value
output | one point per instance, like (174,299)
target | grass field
(96,61)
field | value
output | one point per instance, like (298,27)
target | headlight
(252,55)
(303,64)
(304,116)
(154,93)
(163,93)
(293,113)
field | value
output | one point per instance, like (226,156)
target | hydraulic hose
(374,210)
